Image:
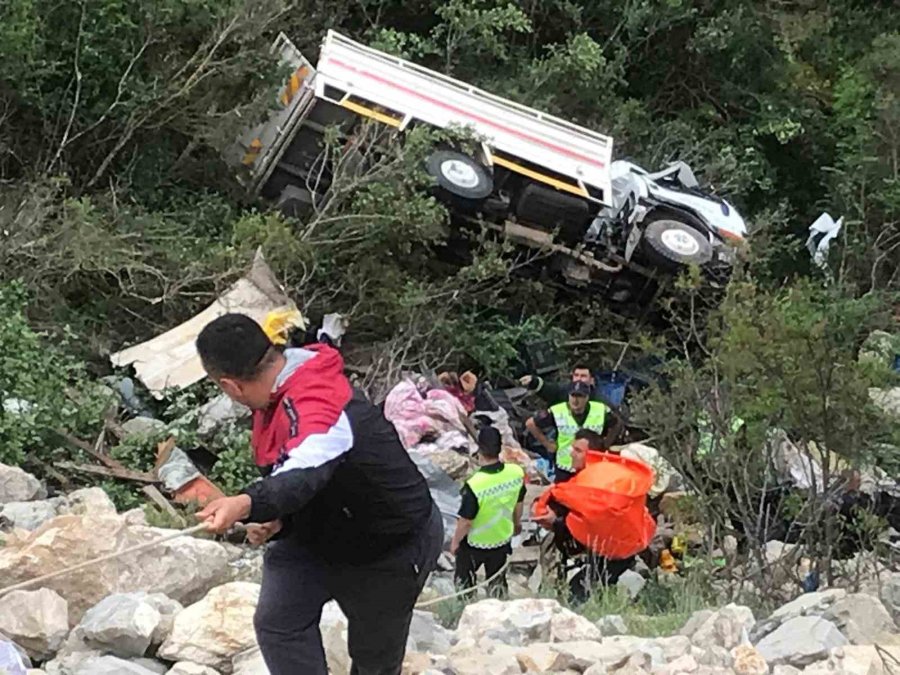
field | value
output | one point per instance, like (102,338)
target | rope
(465,591)
(102,559)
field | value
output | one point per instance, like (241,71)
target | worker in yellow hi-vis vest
(568,417)
(489,515)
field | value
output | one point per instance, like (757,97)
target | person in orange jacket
(593,569)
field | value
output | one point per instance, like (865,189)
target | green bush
(42,388)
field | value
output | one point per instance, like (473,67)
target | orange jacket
(608,505)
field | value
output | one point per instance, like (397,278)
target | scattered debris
(170,361)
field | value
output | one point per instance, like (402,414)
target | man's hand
(526,380)
(454,546)
(545,520)
(221,514)
(259,533)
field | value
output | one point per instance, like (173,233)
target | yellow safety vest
(566,428)
(497,495)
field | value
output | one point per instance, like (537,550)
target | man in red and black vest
(351,515)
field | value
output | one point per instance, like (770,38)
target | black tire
(459,176)
(671,244)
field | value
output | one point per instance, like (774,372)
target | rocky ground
(186,607)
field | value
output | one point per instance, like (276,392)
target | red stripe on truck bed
(464,113)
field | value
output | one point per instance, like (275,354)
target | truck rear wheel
(459,177)
(672,244)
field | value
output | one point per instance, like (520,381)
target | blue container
(897,363)
(611,387)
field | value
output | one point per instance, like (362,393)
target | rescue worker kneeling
(489,515)
(599,519)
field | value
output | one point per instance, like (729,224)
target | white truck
(539,180)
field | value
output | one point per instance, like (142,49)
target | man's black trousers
(377,598)
(469,559)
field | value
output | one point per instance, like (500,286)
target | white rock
(427,635)
(90,502)
(168,609)
(333,627)
(886,399)
(479,664)
(748,661)
(122,624)
(219,412)
(151,664)
(697,619)
(728,627)
(142,427)
(19,486)
(861,618)
(808,604)
(211,632)
(850,660)
(632,583)
(683,664)
(519,622)
(890,596)
(800,641)
(28,515)
(135,517)
(785,670)
(184,568)
(249,662)
(94,663)
(188,668)
(612,624)
(37,620)
(713,656)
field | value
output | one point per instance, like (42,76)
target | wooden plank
(89,449)
(121,473)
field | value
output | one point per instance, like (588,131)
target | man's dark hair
(582,366)
(594,440)
(489,442)
(234,345)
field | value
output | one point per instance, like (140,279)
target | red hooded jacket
(310,401)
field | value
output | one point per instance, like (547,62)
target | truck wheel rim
(680,242)
(459,173)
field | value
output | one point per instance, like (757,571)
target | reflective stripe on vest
(566,427)
(497,494)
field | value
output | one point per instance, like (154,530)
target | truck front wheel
(671,244)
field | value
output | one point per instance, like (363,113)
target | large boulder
(17,485)
(746,660)
(427,635)
(36,620)
(96,663)
(139,428)
(801,641)
(861,618)
(727,628)
(249,662)
(90,502)
(184,568)
(122,624)
(215,629)
(29,515)
(519,622)
(808,604)
(851,660)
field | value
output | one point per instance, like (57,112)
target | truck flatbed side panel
(568,149)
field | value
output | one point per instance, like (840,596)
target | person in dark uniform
(489,515)
(350,515)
